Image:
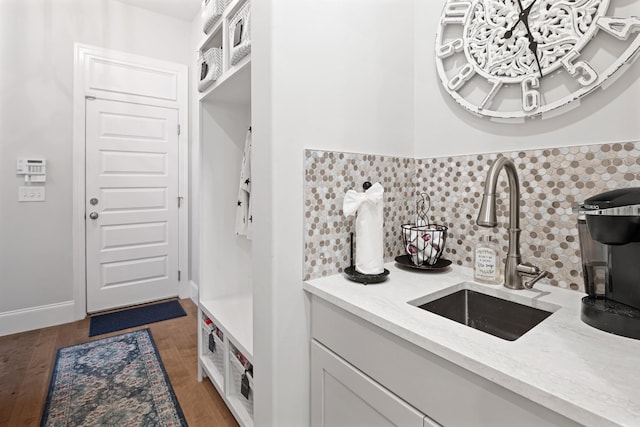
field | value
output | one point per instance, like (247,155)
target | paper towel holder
(355,275)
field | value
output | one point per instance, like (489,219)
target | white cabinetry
(341,395)
(225,285)
(446,393)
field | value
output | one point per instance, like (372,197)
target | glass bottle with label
(486,266)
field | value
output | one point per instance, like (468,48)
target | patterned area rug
(116,381)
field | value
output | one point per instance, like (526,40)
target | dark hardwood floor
(26,362)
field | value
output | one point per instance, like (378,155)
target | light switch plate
(31,194)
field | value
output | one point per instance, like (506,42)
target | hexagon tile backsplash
(552,181)
(328,176)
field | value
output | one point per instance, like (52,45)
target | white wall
(36,81)
(337,75)
(264,350)
(345,72)
(443,128)
(196,36)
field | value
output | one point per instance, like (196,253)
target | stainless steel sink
(497,313)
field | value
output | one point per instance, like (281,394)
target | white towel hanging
(244,216)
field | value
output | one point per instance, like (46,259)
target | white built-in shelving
(234,315)
(223,367)
(234,85)
(225,283)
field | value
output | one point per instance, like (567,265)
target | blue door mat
(125,319)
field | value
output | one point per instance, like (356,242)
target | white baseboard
(193,291)
(27,319)
(184,289)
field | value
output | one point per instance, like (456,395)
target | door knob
(93,201)
(93,215)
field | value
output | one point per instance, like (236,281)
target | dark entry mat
(125,319)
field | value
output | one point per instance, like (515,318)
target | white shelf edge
(243,349)
(226,78)
(208,37)
(232,7)
(244,62)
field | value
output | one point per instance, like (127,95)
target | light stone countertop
(585,374)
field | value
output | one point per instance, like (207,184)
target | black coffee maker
(609,231)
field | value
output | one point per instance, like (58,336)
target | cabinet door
(342,396)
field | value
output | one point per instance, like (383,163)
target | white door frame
(90,81)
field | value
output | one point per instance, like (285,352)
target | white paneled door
(131,203)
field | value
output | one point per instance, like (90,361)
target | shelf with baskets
(224,358)
(231,87)
(240,391)
(213,35)
(212,352)
(225,54)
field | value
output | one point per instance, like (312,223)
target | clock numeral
(497,84)
(462,77)
(450,48)
(620,28)
(581,69)
(530,96)
(455,12)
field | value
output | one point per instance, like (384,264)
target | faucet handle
(528,269)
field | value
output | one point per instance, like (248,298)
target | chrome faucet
(514,267)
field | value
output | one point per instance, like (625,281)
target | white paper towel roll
(369,236)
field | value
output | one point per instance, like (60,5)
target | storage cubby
(225,282)
(230,360)
(240,367)
(210,67)
(226,366)
(234,83)
(213,38)
(211,14)
(213,356)
(239,33)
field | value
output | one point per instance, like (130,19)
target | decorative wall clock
(513,59)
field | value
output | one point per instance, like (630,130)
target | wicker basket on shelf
(240,33)
(211,12)
(210,65)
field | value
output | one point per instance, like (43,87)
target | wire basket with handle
(424,242)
